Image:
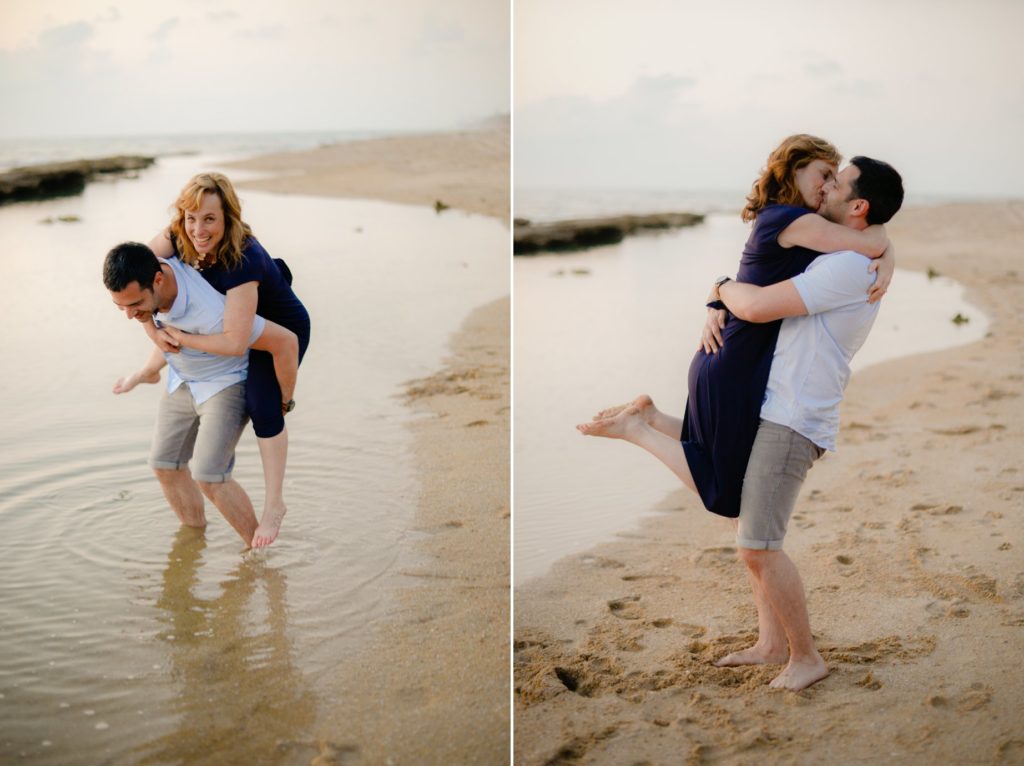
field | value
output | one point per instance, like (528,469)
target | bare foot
(126,384)
(800,675)
(643,403)
(754,655)
(616,427)
(269,525)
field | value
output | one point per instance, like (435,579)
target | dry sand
(432,685)
(467,170)
(909,542)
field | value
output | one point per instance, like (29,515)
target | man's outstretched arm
(762,304)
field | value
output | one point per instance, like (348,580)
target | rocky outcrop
(581,234)
(60,179)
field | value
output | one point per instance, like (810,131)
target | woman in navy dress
(208,233)
(726,388)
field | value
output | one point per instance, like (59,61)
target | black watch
(288,406)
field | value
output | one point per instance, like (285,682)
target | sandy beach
(432,686)
(909,543)
(466,170)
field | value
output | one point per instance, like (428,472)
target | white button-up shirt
(811,366)
(199,309)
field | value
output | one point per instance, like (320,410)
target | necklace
(200,261)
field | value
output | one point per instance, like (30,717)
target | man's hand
(126,384)
(885,266)
(711,336)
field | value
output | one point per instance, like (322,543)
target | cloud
(160,33)
(610,142)
(822,68)
(111,14)
(270,32)
(66,35)
(222,15)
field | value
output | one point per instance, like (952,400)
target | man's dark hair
(130,262)
(880,185)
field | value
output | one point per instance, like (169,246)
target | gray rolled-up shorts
(778,466)
(206,433)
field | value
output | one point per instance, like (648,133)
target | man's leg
(775,473)
(782,588)
(234,504)
(183,495)
(631,426)
(772,647)
(221,422)
(173,442)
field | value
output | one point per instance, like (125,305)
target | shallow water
(129,640)
(597,328)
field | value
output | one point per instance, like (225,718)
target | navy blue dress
(276,302)
(726,390)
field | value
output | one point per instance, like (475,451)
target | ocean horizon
(36,150)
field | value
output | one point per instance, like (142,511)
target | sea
(125,638)
(597,328)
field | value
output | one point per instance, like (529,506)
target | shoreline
(904,541)
(467,170)
(432,683)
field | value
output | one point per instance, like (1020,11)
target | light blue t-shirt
(199,309)
(811,366)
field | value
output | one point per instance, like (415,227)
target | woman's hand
(711,336)
(885,266)
(165,341)
(178,337)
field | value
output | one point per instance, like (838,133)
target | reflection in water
(241,697)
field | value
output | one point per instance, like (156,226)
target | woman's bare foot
(800,675)
(754,655)
(269,526)
(126,384)
(643,403)
(615,427)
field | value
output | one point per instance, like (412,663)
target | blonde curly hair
(236,231)
(777,183)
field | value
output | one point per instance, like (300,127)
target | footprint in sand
(600,562)
(1010,751)
(666,579)
(724,555)
(976,698)
(626,608)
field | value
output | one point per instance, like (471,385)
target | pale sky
(692,94)
(101,67)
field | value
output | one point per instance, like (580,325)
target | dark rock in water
(581,234)
(61,179)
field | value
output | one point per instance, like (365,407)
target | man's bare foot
(643,403)
(269,525)
(617,427)
(126,384)
(754,655)
(800,675)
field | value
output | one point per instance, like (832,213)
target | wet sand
(432,685)
(909,543)
(467,170)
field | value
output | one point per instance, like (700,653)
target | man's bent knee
(169,474)
(755,558)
